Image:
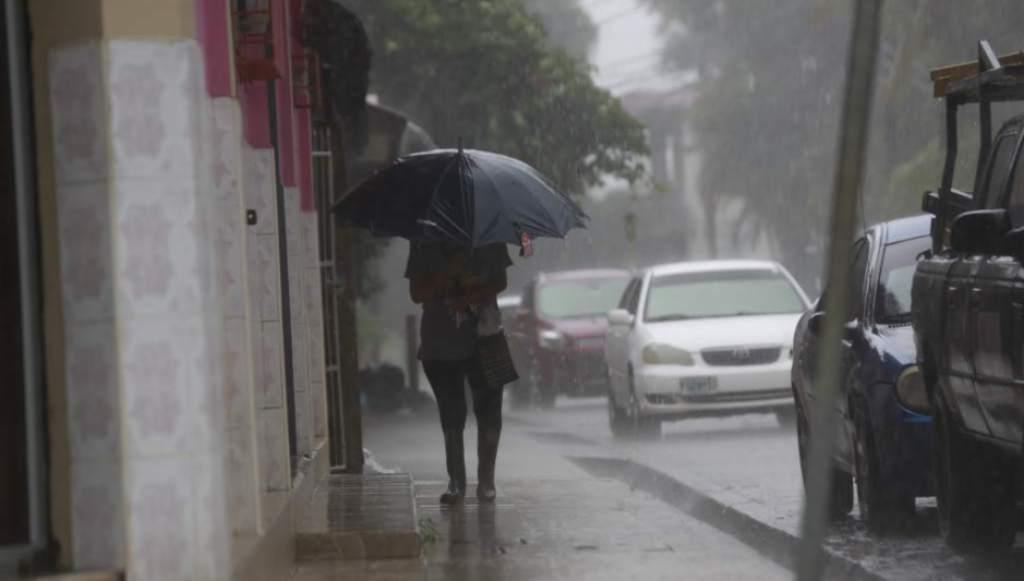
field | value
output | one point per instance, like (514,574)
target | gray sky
(627,49)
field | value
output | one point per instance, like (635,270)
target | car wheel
(641,426)
(786,417)
(974,490)
(840,498)
(618,421)
(884,505)
(802,440)
(545,390)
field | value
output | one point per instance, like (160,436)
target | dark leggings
(448,379)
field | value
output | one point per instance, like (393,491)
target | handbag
(492,352)
(495,360)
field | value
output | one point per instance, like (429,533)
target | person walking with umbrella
(458,289)
(459,209)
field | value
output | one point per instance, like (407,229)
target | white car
(509,303)
(696,339)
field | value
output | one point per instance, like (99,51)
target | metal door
(957,365)
(990,299)
(23,519)
(323,186)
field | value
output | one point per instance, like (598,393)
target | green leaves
(485,71)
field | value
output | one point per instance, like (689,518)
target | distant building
(664,113)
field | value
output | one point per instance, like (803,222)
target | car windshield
(574,299)
(896,277)
(729,293)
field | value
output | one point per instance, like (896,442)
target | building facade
(170,329)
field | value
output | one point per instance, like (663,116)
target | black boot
(455,461)
(487,455)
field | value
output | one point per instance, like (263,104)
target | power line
(617,16)
(629,72)
(596,3)
(645,78)
(629,60)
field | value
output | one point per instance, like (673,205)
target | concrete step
(360,516)
(83,576)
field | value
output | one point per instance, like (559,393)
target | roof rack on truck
(989,79)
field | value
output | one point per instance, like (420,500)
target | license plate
(698,385)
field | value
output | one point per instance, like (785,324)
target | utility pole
(849,177)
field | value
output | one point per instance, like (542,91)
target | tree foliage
(908,149)
(771,92)
(766,112)
(484,72)
(567,24)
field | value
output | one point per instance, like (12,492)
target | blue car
(884,449)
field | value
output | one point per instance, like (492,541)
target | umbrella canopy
(467,197)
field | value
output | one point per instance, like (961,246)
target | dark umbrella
(468,197)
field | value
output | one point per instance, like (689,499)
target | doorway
(22,487)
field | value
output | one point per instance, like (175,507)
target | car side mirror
(1014,243)
(979,232)
(930,203)
(816,325)
(620,318)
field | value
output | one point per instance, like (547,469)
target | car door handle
(952,293)
(974,297)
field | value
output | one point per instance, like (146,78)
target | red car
(557,334)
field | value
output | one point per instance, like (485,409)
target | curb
(775,544)
(360,517)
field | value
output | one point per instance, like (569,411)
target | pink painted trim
(286,109)
(296,17)
(285,104)
(256,114)
(303,125)
(286,133)
(213,30)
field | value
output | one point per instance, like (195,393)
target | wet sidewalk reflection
(552,520)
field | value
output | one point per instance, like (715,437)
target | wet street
(718,497)
(742,474)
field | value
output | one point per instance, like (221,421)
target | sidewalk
(552,521)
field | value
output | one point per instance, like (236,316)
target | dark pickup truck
(968,315)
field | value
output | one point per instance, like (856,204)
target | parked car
(968,318)
(701,338)
(884,447)
(509,305)
(559,333)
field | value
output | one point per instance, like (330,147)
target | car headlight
(550,339)
(912,392)
(661,354)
